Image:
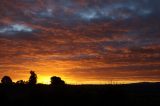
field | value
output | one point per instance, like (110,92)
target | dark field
(142,94)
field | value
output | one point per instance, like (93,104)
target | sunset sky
(81,41)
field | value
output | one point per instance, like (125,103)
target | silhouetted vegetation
(56,94)
(6,80)
(33,78)
(21,82)
(57,81)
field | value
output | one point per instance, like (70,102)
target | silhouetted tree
(20,82)
(6,80)
(33,78)
(57,81)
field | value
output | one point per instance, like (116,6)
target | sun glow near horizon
(70,73)
(77,73)
(46,80)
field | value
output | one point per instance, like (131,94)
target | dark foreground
(144,94)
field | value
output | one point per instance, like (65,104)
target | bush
(57,81)
(6,80)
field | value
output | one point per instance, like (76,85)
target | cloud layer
(84,41)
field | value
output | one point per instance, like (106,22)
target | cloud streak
(15,28)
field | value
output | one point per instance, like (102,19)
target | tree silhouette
(33,78)
(57,81)
(20,82)
(6,80)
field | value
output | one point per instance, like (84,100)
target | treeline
(56,81)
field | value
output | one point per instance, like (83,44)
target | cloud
(15,28)
(78,37)
(74,11)
(115,11)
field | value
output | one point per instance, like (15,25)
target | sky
(81,41)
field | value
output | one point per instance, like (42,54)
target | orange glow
(75,73)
